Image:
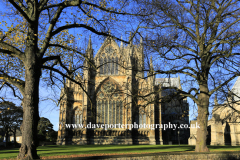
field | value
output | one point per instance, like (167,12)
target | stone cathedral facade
(116,92)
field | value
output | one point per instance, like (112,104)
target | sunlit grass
(54,150)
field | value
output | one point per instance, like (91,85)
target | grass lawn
(54,150)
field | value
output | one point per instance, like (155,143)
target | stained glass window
(80,118)
(142,118)
(118,110)
(109,65)
(112,64)
(111,108)
(98,111)
(110,112)
(105,66)
(101,67)
(109,50)
(77,117)
(114,111)
(108,62)
(102,115)
(116,69)
(106,112)
(121,111)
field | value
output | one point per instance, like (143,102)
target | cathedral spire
(129,59)
(121,46)
(150,71)
(180,86)
(141,40)
(89,48)
(215,100)
(151,77)
(130,38)
(141,56)
(70,67)
(151,66)
(70,74)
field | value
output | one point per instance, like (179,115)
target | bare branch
(14,81)
(21,10)
(11,50)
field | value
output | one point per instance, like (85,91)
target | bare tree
(198,39)
(38,28)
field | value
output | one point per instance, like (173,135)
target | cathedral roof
(168,82)
(108,41)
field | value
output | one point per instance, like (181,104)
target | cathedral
(119,103)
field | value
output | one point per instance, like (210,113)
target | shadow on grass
(116,147)
(7,151)
(83,149)
(105,149)
(224,147)
(54,150)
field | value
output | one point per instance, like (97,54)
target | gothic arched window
(109,65)
(109,104)
(77,117)
(101,67)
(105,66)
(108,62)
(112,66)
(116,66)
(142,118)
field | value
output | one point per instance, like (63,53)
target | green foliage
(45,130)
(10,116)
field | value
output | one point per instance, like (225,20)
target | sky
(49,109)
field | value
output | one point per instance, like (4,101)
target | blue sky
(48,109)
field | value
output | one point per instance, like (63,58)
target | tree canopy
(45,130)
(198,40)
(10,118)
(33,32)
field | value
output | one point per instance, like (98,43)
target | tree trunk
(7,136)
(30,114)
(202,119)
(28,149)
(14,136)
